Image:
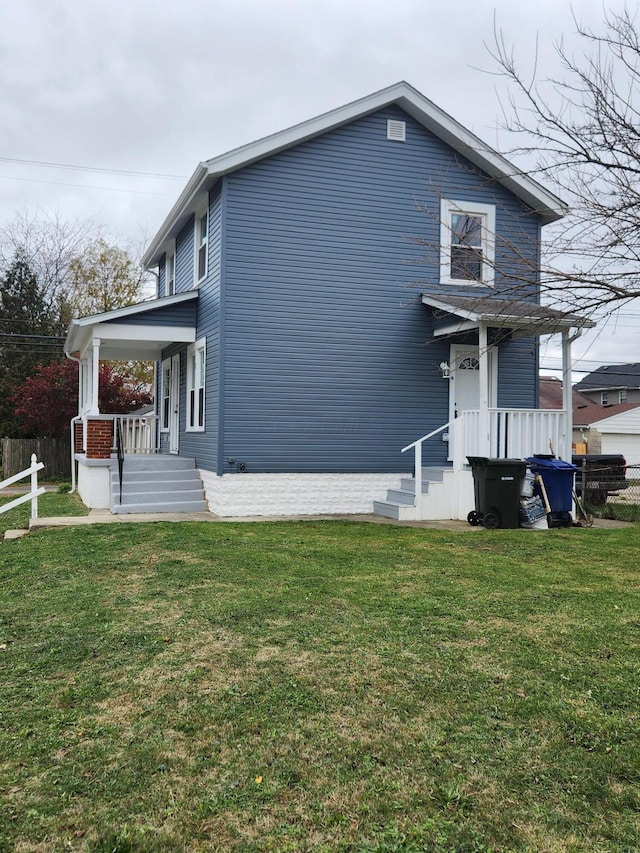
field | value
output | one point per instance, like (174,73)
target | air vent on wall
(396,130)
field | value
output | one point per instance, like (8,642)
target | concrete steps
(401,503)
(157,483)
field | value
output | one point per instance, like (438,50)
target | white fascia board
(455,328)
(125,335)
(165,334)
(182,206)
(424,111)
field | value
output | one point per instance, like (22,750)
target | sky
(126,97)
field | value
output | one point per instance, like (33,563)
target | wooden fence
(54,452)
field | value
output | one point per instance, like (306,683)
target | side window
(604,398)
(201,243)
(622,395)
(165,386)
(196,377)
(170,272)
(467,242)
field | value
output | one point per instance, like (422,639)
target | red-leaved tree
(48,400)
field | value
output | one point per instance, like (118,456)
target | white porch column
(483,380)
(567,398)
(95,372)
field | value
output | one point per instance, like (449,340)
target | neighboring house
(598,428)
(610,385)
(339,305)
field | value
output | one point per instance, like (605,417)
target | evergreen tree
(26,329)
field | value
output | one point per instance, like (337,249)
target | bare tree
(580,134)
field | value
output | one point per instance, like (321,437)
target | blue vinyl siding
(329,360)
(162,277)
(185,258)
(183,314)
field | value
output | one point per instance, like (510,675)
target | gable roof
(611,376)
(586,412)
(424,111)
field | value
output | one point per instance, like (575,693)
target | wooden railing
(138,433)
(512,433)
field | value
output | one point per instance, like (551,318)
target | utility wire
(100,169)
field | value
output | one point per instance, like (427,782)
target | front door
(174,405)
(464,385)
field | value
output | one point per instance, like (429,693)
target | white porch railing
(512,433)
(138,433)
(35,492)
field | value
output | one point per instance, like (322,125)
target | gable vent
(396,130)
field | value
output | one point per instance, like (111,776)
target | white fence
(35,492)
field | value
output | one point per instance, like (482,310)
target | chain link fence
(609,495)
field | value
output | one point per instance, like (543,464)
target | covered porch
(135,333)
(485,429)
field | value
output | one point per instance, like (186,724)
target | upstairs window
(201,241)
(170,273)
(467,242)
(196,375)
(622,395)
(604,398)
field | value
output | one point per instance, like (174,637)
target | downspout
(72,423)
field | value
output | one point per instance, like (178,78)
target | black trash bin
(558,478)
(496,486)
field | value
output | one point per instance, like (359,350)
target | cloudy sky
(125,97)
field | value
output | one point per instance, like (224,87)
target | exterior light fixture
(446,370)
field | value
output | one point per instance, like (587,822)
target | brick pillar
(78,438)
(99,439)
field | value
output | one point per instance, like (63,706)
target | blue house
(339,305)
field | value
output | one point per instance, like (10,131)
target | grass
(325,686)
(50,505)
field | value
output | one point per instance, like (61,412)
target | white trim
(488,245)
(424,111)
(196,363)
(201,242)
(174,406)
(165,386)
(170,269)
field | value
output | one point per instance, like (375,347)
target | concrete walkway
(104,516)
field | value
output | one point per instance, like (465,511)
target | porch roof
(527,317)
(138,332)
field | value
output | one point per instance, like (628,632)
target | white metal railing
(138,433)
(417,459)
(512,433)
(35,492)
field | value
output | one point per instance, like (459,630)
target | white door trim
(174,405)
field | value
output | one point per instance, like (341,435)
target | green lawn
(49,505)
(325,686)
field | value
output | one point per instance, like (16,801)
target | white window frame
(488,243)
(622,395)
(165,395)
(604,398)
(201,242)
(196,385)
(170,270)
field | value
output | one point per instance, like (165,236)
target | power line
(83,186)
(100,169)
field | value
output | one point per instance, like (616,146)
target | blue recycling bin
(558,478)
